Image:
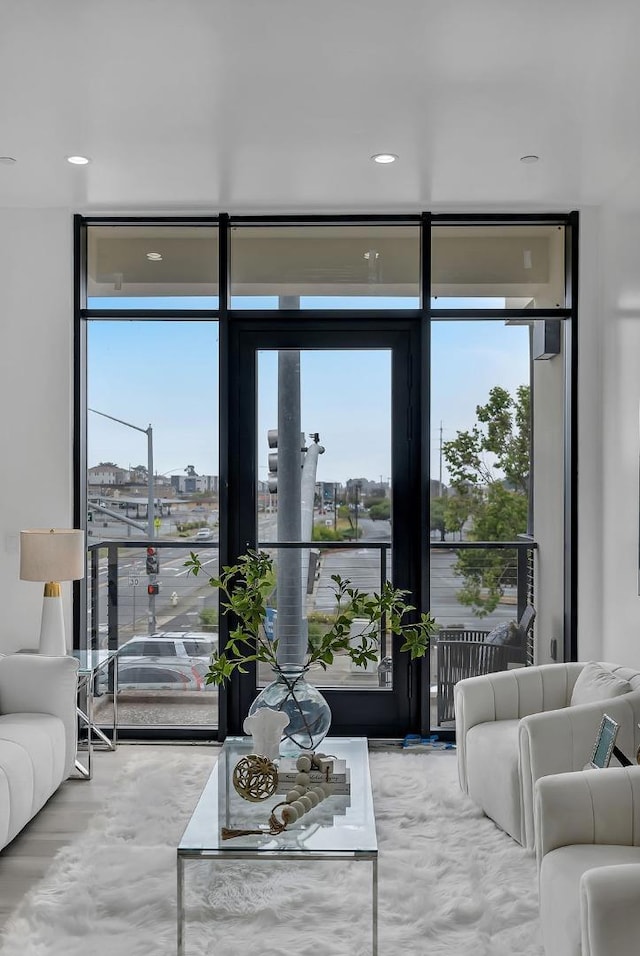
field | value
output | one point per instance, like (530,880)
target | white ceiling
(277,105)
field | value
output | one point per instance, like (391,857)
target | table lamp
(52,556)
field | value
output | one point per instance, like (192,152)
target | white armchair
(587,835)
(516,726)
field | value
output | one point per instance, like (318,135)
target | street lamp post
(150,509)
(149,433)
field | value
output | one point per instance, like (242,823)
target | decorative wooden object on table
(302,797)
(255,778)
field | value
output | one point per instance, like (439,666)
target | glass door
(351,499)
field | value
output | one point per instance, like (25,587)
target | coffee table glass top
(340,824)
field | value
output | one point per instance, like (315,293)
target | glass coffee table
(342,827)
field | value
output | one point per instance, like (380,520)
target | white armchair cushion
(597,683)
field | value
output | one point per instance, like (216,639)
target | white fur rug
(450,882)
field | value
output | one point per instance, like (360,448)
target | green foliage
(437,516)
(505,437)
(457,509)
(489,469)
(209,618)
(245,588)
(323,532)
(186,526)
(381,511)
(372,500)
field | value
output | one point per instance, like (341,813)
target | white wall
(619,504)
(36,393)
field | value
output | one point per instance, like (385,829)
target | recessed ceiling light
(7,161)
(384,158)
(154,256)
(529,158)
(78,160)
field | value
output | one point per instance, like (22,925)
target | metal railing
(119,606)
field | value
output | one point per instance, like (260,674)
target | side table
(95,666)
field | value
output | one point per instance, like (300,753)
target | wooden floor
(26,860)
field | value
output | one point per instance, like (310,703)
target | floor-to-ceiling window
(414,340)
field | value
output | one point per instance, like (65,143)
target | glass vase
(309,713)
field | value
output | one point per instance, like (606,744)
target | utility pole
(440,488)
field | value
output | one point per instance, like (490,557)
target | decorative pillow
(507,634)
(595,683)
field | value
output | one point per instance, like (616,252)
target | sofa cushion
(508,634)
(596,683)
(492,772)
(560,875)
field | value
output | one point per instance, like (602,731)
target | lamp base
(52,640)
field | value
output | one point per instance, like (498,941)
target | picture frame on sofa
(605,742)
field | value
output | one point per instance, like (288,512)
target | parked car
(160,675)
(204,534)
(166,660)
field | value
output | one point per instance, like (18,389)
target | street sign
(134,580)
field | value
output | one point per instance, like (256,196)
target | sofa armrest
(587,806)
(609,911)
(32,683)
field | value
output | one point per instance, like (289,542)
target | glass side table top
(341,824)
(93,659)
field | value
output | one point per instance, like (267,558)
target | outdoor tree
(437,516)
(489,466)
(380,510)
(458,508)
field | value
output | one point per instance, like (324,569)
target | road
(362,567)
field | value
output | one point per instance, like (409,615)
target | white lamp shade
(55,554)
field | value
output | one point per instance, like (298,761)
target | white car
(204,534)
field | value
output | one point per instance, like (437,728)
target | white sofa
(38,730)
(519,725)
(587,836)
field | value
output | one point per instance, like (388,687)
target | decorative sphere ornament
(255,778)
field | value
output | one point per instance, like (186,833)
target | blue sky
(165,374)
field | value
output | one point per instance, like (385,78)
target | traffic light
(153,589)
(152,561)
(272,438)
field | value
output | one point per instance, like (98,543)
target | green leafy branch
(245,588)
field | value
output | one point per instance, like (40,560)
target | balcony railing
(119,609)
(119,606)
